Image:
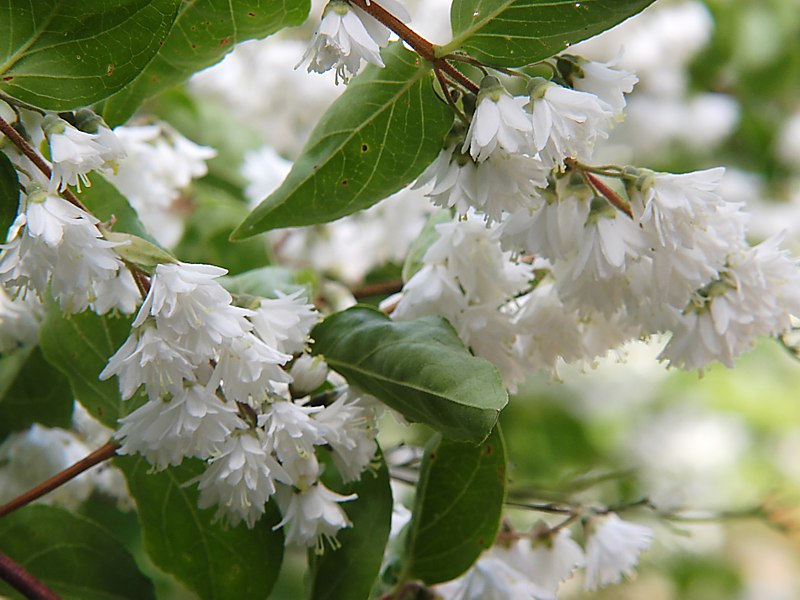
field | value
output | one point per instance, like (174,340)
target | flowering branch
(95,458)
(22,581)
(28,150)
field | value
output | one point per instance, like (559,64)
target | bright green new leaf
(512,33)
(217,562)
(375,139)
(9,194)
(350,571)
(204,32)
(457,511)
(72,555)
(32,391)
(80,346)
(420,368)
(65,54)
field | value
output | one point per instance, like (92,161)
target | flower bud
(308,374)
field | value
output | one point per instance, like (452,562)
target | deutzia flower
(552,558)
(52,242)
(285,322)
(241,478)
(612,549)
(755,294)
(308,373)
(347,36)
(189,306)
(350,431)
(76,153)
(499,122)
(195,422)
(312,515)
(604,81)
(566,122)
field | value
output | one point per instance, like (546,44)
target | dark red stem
(22,581)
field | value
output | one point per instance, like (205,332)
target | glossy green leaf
(457,511)
(375,139)
(266,281)
(349,573)
(9,194)
(32,391)
(425,240)
(204,32)
(65,54)
(512,33)
(79,346)
(217,562)
(420,368)
(72,555)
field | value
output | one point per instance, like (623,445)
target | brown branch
(96,457)
(420,45)
(28,150)
(22,581)
(609,194)
(378,289)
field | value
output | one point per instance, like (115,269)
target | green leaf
(420,368)
(214,216)
(106,203)
(512,33)
(9,194)
(215,561)
(349,573)
(65,54)
(79,346)
(457,511)
(375,139)
(72,555)
(266,281)
(424,240)
(204,32)
(32,391)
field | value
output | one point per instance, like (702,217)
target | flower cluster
(601,255)
(534,568)
(217,389)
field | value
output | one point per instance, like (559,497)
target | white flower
(240,479)
(193,309)
(755,295)
(76,153)
(55,243)
(117,293)
(499,122)
(264,169)
(492,578)
(552,559)
(609,84)
(293,433)
(343,40)
(566,123)
(195,422)
(350,431)
(247,368)
(312,515)
(171,162)
(19,320)
(308,373)
(285,322)
(431,291)
(612,549)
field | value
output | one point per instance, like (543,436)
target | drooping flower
(285,322)
(612,549)
(346,37)
(312,515)
(499,122)
(350,429)
(604,81)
